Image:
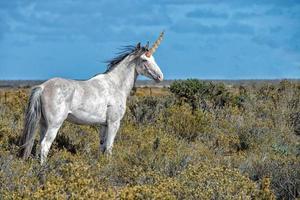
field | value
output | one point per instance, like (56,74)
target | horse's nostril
(160,77)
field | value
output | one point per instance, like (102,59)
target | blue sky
(206,39)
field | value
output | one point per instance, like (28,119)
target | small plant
(182,122)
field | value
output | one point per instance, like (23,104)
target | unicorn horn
(155,45)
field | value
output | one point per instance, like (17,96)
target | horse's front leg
(103,136)
(112,129)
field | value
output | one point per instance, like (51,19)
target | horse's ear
(147,45)
(138,46)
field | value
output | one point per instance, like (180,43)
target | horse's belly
(86,118)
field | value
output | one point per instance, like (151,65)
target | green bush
(205,95)
(182,122)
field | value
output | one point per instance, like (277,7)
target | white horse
(100,100)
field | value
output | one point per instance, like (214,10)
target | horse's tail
(32,117)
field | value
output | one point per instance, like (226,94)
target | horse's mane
(125,51)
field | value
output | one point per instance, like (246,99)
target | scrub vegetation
(195,140)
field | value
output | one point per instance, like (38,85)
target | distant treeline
(30,83)
(147,83)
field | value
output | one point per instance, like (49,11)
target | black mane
(125,51)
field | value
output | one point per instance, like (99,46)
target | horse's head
(146,64)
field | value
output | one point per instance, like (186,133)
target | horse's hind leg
(54,122)
(43,129)
(103,136)
(47,142)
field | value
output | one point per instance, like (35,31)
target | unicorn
(100,100)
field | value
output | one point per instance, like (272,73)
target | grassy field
(194,141)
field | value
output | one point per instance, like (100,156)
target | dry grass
(166,149)
(148,91)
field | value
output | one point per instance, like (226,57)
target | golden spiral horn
(155,45)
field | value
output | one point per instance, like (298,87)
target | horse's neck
(124,75)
